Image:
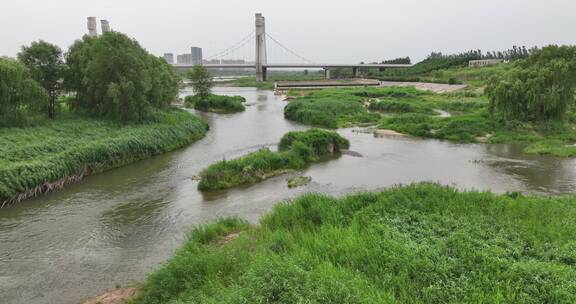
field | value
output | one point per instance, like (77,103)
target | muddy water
(113,228)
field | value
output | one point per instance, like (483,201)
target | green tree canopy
(201,79)
(45,62)
(539,88)
(113,76)
(18,92)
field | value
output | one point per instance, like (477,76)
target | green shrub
(321,112)
(216,103)
(463,129)
(414,124)
(321,142)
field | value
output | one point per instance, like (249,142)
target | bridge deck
(295,66)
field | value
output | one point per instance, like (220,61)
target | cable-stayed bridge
(280,53)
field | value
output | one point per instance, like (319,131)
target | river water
(114,228)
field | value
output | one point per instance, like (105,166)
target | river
(114,228)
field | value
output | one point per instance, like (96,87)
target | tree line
(512,54)
(109,76)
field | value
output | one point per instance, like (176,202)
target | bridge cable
(235,46)
(288,49)
(222,55)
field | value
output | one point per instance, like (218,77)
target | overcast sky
(323,30)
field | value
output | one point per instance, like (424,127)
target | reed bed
(47,157)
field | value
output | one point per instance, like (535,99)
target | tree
(45,62)
(539,88)
(18,91)
(113,76)
(165,83)
(201,79)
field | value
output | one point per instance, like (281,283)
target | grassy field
(40,158)
(416,244)
(216,103)
(296,150)
(414,112)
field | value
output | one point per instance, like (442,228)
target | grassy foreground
(296,150)
(216,103)
(416,244)
(46,157)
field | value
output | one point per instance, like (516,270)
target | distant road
(435,87)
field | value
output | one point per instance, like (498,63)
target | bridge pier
(263,74)
(326,73)
(260,48)
(355,72)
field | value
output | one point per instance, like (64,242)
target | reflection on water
(115,227)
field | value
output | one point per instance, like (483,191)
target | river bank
(116,227)
(45,158)
(421,243)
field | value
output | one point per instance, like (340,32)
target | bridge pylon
(260,48)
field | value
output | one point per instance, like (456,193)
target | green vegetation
(215,103)
(47,156)
(416,244)
(298,181)
(540,88)
(46,64)
(203,100)
(20,95)
(109,79)
(330,108)
(201,81)
(441,68)
(414,112)
(112,76)
(296,150)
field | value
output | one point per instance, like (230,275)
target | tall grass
(34,157)
(216,103)
(296,150)
(323,112)
(416,244)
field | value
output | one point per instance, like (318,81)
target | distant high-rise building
(184,59)
(105,26)
(92,30)
(196,55)
(169,57)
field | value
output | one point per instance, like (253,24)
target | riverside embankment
(47,157)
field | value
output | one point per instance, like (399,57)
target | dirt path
(434,87)
(118,296)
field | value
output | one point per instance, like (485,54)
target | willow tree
(45,62)
(539,88)
(19,93)
(113,76)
